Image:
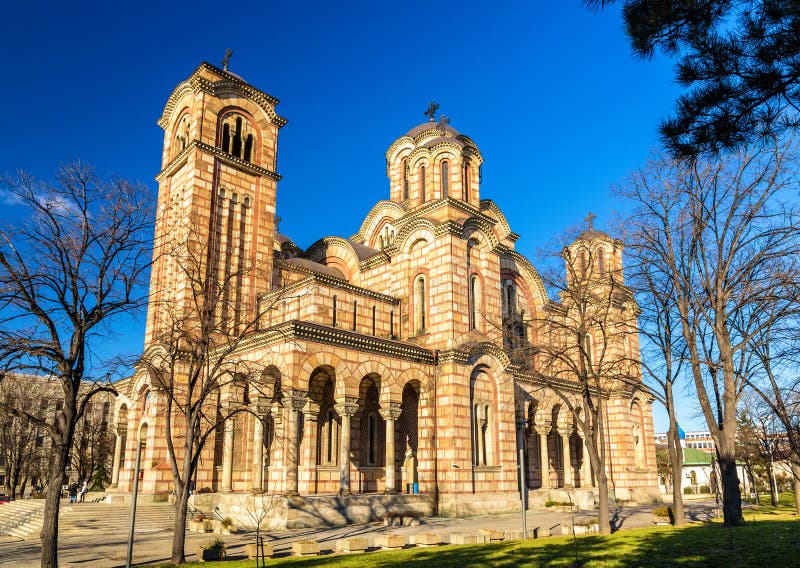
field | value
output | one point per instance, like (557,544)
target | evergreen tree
(738,60)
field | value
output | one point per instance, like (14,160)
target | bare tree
(21,441)
(774,380)
(93,449)
(663,354)
(75,261)
(584,354)
(717,230)
(195,359)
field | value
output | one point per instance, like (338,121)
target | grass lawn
(770,538)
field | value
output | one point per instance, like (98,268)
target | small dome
(591,234)
(431,125)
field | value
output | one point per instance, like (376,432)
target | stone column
(296,402)
(543,430)
(346,411)
(586,466)
(117,455)
(227,457)
(568,477)
(258,451)
(390,415)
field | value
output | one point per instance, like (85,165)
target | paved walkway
(107,548)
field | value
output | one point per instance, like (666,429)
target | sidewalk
(104,549)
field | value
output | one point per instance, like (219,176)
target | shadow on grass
(764,543)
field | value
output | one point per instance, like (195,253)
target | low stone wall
(478,504)
(281,512)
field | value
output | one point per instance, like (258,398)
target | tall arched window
(582,263)
(405,178)
(422,184)
(466,181)
(473,301)
(445,178)
(511,298)
(419,304)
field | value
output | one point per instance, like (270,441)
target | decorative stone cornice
(325,280)
(227,82)
(233,161)
(306,331)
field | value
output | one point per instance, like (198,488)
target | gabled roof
(693,456)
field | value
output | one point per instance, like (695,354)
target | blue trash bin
(416,489)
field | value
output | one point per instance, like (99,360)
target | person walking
(84,491)
(73,492)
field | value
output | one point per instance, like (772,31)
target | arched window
(236,139)
(473,301)
(405,178)
(445,178)
(422,184)
(334,310)
(601,261)
(471,244)
(372,439)
(511,298)
(419,304)
(582,263)
(466,181)
(182,134)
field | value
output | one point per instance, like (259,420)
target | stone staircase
(23,519)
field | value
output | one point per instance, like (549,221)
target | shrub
(216,544)
(226,522)
(688,491)
(557,504)
(705,489)
(586,521)
(663,511)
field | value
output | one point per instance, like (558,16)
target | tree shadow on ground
(763,543)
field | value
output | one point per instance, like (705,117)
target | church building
(396,366)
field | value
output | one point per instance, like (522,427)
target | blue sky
(548,90)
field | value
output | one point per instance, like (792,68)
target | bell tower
(217,188)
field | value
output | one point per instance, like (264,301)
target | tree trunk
(179,528)
(753,482)
(52,503)
(676,459)
(796,479)
(676,462)
(731,497)
(603,512)
(773,490)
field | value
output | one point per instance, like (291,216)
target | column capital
(297,399)
(565,430)
(543,428)
(347,408)
(392,412)
(121,429)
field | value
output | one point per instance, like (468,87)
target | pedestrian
(73,492)
(84,491)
